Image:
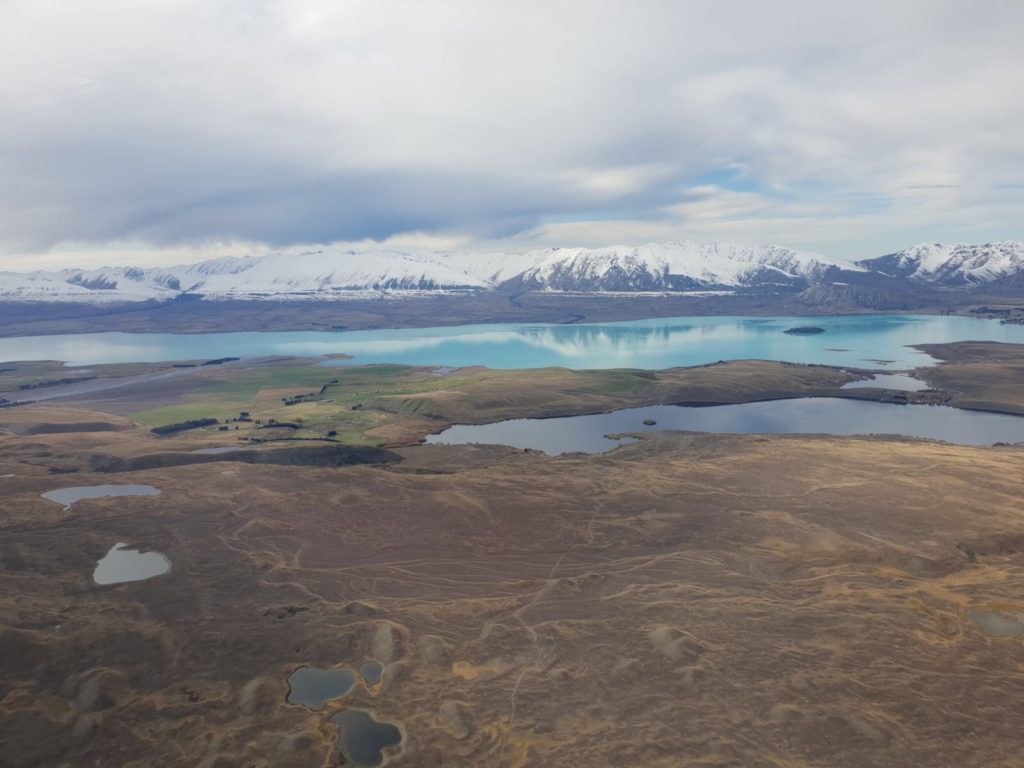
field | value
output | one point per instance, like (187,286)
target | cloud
(201,123)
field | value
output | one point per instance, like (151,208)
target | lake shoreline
(400,406)
(851,395)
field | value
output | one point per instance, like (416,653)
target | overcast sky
(165,131)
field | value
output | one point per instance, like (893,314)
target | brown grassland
(686,600)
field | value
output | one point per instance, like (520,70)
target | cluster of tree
(295,399)
(804,330)
(181,426)
(56,382)
(308,396)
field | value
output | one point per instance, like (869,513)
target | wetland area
(352,560)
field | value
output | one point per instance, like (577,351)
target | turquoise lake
(865,341)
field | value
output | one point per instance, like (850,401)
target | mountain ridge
(672,267)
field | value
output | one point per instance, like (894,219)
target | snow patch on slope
(956,264)
(676,266)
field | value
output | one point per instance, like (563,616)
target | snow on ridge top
(711,263)
(336,270)
(101,286)
(333,272)
(960,262)
(224,265)
(328,272)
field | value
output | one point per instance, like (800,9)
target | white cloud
(234,125)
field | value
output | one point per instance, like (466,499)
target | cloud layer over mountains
(827,126)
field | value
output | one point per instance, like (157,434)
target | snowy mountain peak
(960,264)
(676,266)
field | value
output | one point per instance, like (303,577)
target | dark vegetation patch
(56,382)
(49,428)
(334,455)
(995,544)
(804,330)
(285,612)
(181,426)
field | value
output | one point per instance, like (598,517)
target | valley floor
(208,316)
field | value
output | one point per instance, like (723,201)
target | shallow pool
(120,565)
(68,496)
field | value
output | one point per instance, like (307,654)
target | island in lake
(804,330)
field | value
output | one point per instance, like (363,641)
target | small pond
(999,623)
(372,672)
(899,381)
(120,565)
(68,496)
(364,739)
(312,687)
(834,416)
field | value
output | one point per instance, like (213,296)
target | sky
(174,130)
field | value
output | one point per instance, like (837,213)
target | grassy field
(14,375)
(389,404)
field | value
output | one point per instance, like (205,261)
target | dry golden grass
(686,600)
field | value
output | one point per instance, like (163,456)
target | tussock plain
(684,600)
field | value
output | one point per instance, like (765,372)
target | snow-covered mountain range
(674,267)
(657,267)
(953,265)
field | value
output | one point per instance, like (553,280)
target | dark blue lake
(803,415)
